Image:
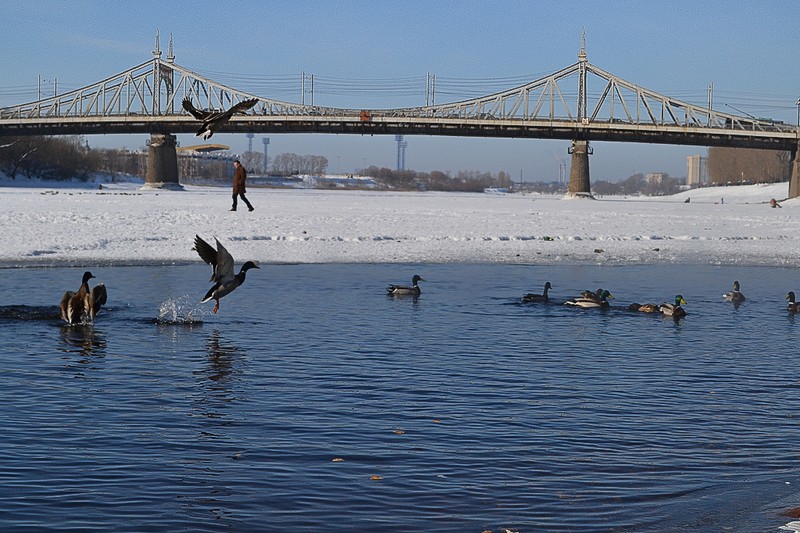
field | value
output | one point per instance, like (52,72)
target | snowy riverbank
(120,224)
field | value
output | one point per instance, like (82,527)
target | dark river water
(314,402)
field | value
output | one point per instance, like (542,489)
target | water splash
(183,310)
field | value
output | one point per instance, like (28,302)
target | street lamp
(797,103)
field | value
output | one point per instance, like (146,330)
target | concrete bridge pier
(794,182)
(579,186)
(162,162)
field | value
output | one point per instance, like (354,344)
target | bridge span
(581,103)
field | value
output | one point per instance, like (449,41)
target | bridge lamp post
(797,103)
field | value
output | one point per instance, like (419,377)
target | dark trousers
(244,199)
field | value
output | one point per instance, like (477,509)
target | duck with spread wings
(83,305)
(214,120)
(221,261)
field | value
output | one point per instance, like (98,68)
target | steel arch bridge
(581,102)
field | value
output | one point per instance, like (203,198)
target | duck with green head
(592,301)
(674,310)
(404,290)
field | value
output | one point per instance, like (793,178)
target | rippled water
(313,402)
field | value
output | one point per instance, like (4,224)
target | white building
(697,171)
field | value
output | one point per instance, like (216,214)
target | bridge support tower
(162,162)
(794,182)
(579,186)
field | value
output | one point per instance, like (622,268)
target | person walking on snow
(239,178)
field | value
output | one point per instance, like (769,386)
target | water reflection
(216,376)
(220,356)
(84,340)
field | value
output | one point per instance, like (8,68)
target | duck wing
(97,299)
(64,305)
(207,253)
(196,113)
(242,106)
(224,272)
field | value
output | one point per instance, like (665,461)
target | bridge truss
(579,102)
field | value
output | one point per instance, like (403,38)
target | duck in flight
(83,305)
(214,120)
(221,261)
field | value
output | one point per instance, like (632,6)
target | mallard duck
(213,120)
(532,297)
(589,300)
(644,308)
(674,310)
(83,305)
(792,307)
(221,261)
(734,295)
(404,290)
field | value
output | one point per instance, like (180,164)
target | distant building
(697,171)
(656,178)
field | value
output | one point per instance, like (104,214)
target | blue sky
(748,50)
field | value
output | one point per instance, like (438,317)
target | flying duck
(792,307)
(644,308)
(589,300)
(213,120)
(531,297)
(83,305)
(734,295)
(225,282)
(674,310)
(404,290)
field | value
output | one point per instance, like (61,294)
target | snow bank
(120,224)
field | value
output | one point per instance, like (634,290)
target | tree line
(69,157)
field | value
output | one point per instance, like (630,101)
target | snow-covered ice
(120,224)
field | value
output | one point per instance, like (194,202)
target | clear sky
(377,54)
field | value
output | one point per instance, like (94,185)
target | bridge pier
(794,181)
(162,162)
(579,186)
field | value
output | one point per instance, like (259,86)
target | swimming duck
(83,305)
(404,290)
(734,295)
(589,300)
(792,307)
(674,310)
(213,120)
(531,297)
(644,308)
(221,261)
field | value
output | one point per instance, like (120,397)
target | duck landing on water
(83,305)
(404,290)
(221,261)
